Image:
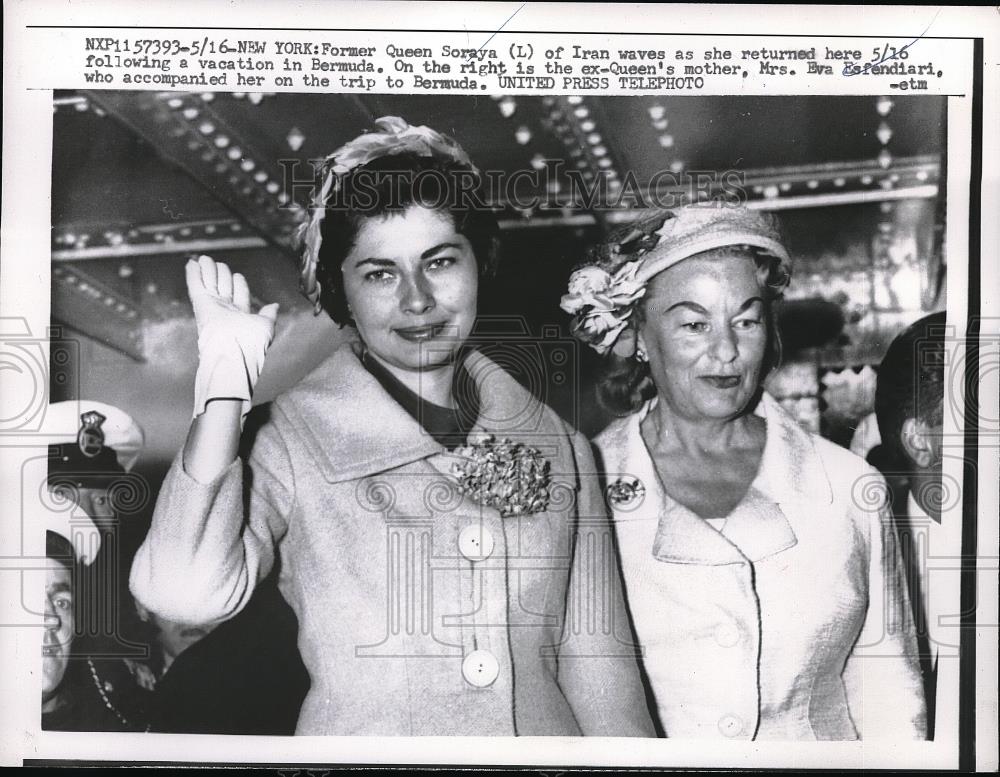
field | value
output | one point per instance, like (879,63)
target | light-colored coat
(346,489)
(789,623)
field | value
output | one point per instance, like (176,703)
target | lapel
(352,428)
(791,475)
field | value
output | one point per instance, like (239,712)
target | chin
(431,357)
(53,670)
(723,409)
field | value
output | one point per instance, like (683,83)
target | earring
(640,355)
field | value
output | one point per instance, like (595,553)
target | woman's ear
(640,342)
(916,439)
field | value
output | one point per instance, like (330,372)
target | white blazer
(790,623)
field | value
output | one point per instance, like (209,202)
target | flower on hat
(602,303)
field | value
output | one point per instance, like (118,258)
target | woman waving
(429,515)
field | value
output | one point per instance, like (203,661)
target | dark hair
(911,382)
(627,382)
(389,186)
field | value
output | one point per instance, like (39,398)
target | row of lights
(254,97)
(507,106)
(80,239)
(523,135)
(77,103)
(92,291)
(216,145)
(884,181)
(886,224)
(660,122)
(574,125)
(592,154)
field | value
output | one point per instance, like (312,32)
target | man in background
(909,406)
(83,690)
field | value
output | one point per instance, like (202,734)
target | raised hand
(221,299)
(232,340)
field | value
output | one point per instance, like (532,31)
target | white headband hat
(705,226)
(602,295)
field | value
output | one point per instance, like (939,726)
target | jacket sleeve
(882,673)
(598,655)
(210,543)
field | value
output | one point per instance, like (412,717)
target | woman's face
(705,333)
(411,284)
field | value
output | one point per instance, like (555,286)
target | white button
(730,725)
(727,634)
(475,542)
(480,668)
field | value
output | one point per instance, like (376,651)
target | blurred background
(143,179)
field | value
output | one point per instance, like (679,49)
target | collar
(791,470)
(791,476)
(352,428)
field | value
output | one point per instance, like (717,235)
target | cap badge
(90,438)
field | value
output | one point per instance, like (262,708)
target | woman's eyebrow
(390,263)
(694,306)
(439,247)
(750,302)
(377,262)
(689,305)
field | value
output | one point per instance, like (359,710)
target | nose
(52,619)
(724,347)
(417,297)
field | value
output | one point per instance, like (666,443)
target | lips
(51,651)
(722,381)
(419,334)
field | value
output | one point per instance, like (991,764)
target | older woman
(428,512)
(764,590)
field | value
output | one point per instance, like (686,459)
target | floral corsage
(509,476)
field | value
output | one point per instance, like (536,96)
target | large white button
(480,668)
(475,542)
(731,725)
(727,634)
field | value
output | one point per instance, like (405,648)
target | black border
(970,491)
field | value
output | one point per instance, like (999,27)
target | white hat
(703,226)
(88,440)
(94,426)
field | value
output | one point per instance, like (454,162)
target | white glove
(232,340)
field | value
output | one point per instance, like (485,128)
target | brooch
(508,476)
(625,493)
